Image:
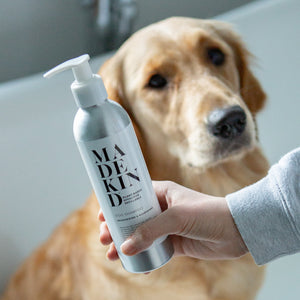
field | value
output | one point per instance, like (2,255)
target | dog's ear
(250,88)
(112,75)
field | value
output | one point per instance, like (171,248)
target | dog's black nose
(227,123)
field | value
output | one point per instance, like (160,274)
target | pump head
(88,88)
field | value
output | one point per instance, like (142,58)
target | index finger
(101,216)
(162,190)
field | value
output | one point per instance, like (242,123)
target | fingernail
(128,247)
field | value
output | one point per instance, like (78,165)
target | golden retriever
(187,86)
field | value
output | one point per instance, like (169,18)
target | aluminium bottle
(115,165)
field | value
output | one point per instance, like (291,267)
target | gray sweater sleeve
(267,213)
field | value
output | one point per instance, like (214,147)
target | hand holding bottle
(200,226)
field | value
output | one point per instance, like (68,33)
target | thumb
(165,223)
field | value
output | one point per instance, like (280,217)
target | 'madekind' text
(114,172)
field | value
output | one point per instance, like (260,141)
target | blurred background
(37,34)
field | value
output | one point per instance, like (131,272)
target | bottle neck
(89,93)
(94,106)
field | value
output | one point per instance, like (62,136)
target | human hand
(199,226)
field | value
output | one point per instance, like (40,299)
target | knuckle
(144,233)
(171,184)
(177,219)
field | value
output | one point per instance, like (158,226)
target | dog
(188,88)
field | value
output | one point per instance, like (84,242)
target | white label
(121,181)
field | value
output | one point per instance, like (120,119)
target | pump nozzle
(88,88)
(79,65)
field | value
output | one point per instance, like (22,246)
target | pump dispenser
(114,162)
(88,88)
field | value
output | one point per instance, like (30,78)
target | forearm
(267,213)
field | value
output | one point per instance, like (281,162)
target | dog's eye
(157,81)
(216,56)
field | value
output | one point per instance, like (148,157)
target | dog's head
(187,86)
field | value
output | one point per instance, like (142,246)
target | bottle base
(149,260)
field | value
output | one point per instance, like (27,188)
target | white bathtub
(42,178)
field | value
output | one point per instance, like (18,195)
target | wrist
(242,246)
(233,235)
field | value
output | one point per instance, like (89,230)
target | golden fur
(171,127)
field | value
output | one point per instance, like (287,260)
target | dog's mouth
(228,148)
(223,151)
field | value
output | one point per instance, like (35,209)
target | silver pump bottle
(114,162)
